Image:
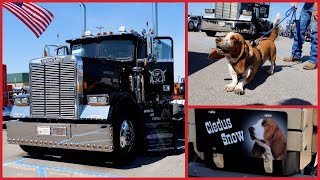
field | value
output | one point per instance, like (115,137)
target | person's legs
(300,31)
(313,61)
(314,42)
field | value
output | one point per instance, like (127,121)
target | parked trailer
(245,18)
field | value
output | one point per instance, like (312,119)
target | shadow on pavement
(262,76)
(291,101)
(197,61)
(295,101)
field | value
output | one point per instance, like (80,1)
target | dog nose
(218,39)
(251,129)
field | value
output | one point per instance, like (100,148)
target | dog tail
(274,32)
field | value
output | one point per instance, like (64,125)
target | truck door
(159,76)
(158,86)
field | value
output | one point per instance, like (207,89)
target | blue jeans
(300,34)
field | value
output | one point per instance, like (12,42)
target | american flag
(32,15)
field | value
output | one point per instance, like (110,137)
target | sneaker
(309,66)
(291,59)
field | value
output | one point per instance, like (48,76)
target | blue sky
(20,45)
(198,8)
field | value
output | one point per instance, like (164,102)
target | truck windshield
(107,49)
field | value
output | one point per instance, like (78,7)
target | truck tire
(211,33)
(190,26)
(124,140)
(198,27)
(34,151)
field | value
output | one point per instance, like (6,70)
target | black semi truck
(108,93)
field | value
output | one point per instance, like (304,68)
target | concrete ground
(289,85)
(17,163)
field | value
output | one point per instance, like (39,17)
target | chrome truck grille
(53,93)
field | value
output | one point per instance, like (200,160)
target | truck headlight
(24,100)
(98,100)
(102,100)
(92,100)
(21,100)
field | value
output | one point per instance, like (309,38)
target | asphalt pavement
(17,163)
(289,85)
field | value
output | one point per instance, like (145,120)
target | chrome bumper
(90,137)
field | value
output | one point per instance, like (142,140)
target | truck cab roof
(91,38)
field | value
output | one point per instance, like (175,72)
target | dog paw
(239,91)
(229,88)
(271,70)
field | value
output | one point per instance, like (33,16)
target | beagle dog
(270,142)
(243,59)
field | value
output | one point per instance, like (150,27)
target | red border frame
(1,86)
(186,137)
(186,80)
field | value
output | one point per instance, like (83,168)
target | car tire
(211,33)
(190,26)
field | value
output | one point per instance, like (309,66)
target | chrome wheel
(126,136)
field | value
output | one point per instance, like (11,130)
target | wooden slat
(314,145)
(295,120)
(305,155)
(191,126)
(315,117)
(294,142)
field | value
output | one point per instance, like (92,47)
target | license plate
(43,130)
(59,131)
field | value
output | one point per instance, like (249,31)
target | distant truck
(244,18)
(8,99)
(194,23)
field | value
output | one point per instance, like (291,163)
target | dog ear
(278,144)
(238,48)
(215,55)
